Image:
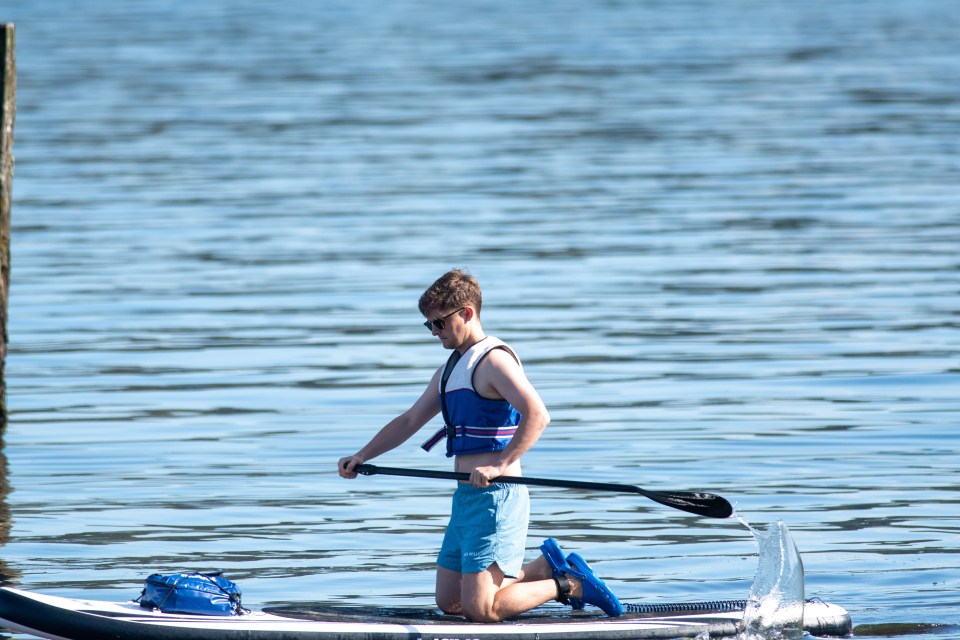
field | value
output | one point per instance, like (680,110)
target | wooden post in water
(8,103)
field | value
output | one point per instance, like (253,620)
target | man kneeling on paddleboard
(492,416)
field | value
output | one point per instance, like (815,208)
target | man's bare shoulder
(497,371)
(501,358)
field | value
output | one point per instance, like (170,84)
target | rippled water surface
(723,237)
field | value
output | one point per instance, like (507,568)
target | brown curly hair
(455,288)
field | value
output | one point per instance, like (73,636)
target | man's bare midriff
(466,463)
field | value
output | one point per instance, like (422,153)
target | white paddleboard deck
(60,618)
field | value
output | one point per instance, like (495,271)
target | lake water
(722,235)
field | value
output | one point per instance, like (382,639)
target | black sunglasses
(438,322)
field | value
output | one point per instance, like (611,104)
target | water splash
(775,605)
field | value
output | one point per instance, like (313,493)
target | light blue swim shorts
(486,526)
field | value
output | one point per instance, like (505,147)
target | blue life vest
(476,424)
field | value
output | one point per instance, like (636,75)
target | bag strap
(172,588)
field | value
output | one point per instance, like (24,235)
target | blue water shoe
(595,592)
(576,561)
(554,555)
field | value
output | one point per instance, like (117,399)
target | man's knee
(447,604)
(448,596)
(480,613)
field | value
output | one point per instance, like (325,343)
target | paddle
(702,504)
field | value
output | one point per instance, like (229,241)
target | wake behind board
(70,619)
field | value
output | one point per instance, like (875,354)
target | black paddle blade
(702,504)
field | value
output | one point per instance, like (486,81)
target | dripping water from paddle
(775,605)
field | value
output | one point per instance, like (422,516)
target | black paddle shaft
(702,504)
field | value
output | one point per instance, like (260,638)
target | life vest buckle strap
(435,439)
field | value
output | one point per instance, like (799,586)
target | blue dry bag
(204,594)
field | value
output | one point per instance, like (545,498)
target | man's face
(446,324)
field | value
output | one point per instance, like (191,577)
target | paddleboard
(61,618)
